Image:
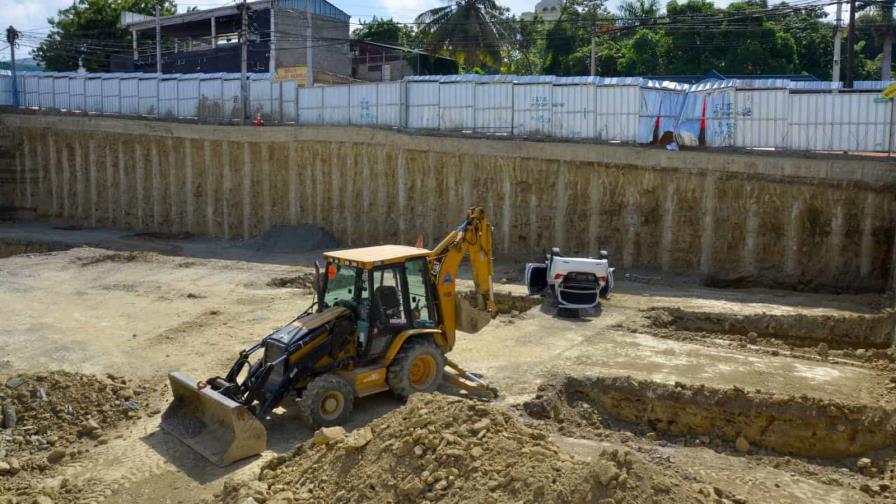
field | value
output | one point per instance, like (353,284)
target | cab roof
(370,257)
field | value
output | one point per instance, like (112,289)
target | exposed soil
(57,417)
(840,445)
(836,331)
(445,449)
(299,281)
(121,257)
(800,426)
(10,248)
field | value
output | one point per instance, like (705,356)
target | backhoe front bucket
(220,429)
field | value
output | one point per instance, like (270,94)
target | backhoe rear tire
(418,367)
(327,401)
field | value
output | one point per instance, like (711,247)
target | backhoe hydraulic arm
(472,238)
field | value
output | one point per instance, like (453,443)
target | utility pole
(593,55)
(12,36)
(835,75)
(851,46)
(244,62)
(158,42)
(309,51)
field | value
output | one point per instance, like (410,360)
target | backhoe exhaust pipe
(220,429)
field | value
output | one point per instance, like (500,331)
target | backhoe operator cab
(387,290)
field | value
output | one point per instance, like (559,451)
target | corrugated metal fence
(775,114)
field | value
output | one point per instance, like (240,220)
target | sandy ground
(141,315)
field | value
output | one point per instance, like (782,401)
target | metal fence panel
(263,93)
(6,90)
(617,109)
(130,96)
(658,113)
(288,93)
(188,96)
(311,105)
(93,94)
(76,92)
(720,119)
(61,97)
(336,105)
(231,96)
(494,108)
(364,104)
(423,105)
(841,122)
(761,118)
(532,109)
(31,91)
(111,94)
(457,102)
(47,92)
(572,111)
(168,96)
(148,95)
(211,100)
(389,102)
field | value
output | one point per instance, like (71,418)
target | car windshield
(340,283)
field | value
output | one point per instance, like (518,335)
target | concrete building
(208,41)
(374,61)
(548,10)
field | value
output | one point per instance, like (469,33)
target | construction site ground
(710,363)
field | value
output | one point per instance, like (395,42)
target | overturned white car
(575,283)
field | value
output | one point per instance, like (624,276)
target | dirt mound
(802,426)
(299,281)
(120,257)
(292,239)
(9,248)
(445,449)
(49,418)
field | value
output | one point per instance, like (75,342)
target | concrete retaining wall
(791,221)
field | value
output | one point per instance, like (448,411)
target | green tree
(469,30)
(89,30)
(386,31)
(644,54)
(639,12)
(567,48)
(525,43)
(814,41)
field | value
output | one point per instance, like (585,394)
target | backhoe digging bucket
(469,318)
(220,429)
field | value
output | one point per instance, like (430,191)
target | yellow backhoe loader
(383,319)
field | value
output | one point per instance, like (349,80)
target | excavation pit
(838,332)
(799,426)
(9,248)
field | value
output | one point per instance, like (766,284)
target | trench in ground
(854,331)
(9,248)
(800,426)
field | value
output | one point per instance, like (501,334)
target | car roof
(370,257)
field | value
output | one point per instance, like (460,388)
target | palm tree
(639,12)
(468,29)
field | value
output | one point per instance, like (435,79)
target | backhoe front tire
(327,401)
(418,367)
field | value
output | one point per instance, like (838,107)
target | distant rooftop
(135,21)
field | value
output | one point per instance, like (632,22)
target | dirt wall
(736,218)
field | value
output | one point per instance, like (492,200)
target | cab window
(340,283)
(422,309)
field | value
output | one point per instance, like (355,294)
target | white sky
(31,15)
